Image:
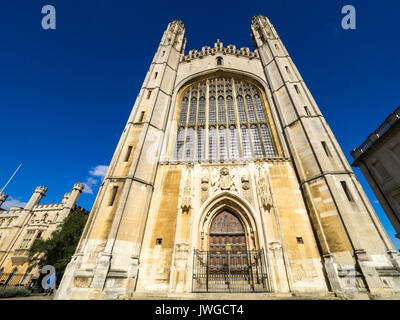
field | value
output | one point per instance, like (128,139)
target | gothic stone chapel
(227,179)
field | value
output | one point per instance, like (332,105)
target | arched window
(241,111)
(202,110)
(230,109)
(227,112)
(212,113)
(221,109)
(219,61)
(250,109)
(183,115)
(193,111)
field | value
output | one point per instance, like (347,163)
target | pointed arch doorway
(227,233)
(228,265)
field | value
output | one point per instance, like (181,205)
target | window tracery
(223,118)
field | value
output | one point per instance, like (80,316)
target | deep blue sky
(66,94)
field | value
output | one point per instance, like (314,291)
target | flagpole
(11,178)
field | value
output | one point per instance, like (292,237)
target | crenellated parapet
(3,197)
(41,190)
(79,187)
(218,49)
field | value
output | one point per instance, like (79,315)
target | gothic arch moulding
(242,209)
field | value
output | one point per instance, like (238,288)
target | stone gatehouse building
(228,179)
(20,227)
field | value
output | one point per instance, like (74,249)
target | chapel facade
(227,179)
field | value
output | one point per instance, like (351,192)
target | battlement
(40,189)
(219,48)
(48,206)
(79,187)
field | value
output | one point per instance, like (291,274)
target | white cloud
(97,172)
(12,202)
(89,185)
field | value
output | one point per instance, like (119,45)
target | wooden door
(227,233)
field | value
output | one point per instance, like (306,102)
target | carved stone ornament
(265,193)
(225,180)
(204,184)
(186,197)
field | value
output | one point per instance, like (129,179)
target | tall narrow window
(245,141)
(259,108)
(250,109)
(256,141)
(155,75)
(202,111)
(307,111)
(184,109)
(189,149)
(268,145)
(179,143)
(233,142)
(221,110)
(212,112)
(200,143)
(346,191)
(297,89)
(212,143)
(223,151)
(113,195)
(148,94)
(326,149)
(193,111)
(230,109)
(128,153)
(241,111)
(141,116)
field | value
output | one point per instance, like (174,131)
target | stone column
(345,223)
(110,246)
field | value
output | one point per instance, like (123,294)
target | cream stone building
(20,227)
(227,179)
(379,160)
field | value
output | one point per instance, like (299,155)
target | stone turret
(3,198)
(37,195)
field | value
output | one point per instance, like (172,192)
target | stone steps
(231,296)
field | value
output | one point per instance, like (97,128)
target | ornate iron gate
(230,271)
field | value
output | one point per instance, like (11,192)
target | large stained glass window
(223,119)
